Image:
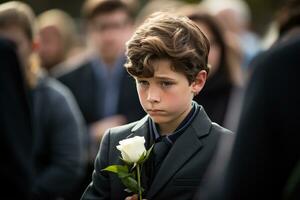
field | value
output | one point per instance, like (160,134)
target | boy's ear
(199,82)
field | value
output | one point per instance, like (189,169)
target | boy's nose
(153,95)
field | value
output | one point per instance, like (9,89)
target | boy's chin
(160,119)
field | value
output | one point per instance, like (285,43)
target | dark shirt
(172,137)
(163,144)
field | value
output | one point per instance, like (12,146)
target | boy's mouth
(155,112)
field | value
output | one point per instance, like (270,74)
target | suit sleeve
(65,129)
(99,188)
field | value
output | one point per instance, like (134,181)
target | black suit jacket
(267,146)
(16,136)
(85,86)
(179,174)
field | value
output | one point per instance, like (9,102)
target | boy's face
(167,96)
(24,44)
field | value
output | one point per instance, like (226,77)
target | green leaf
(146,156)
(131,184)
(149,151)
(142,158)
(116,169)
(124,174)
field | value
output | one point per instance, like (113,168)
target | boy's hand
(133,197)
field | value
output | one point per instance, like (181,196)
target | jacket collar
(202,126)
(178,154)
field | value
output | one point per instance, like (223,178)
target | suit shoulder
(79,70)
(219,129)
(126,128)
(118,133)
(51,89)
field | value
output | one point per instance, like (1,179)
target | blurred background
(262,12)
(73,51)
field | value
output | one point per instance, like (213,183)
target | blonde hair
(19,14)
(63,22)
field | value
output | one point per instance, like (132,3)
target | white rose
(132,149)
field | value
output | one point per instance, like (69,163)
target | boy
(167,56)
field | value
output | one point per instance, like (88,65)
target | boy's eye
(166,84)
(142,83)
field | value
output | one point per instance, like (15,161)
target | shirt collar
(179,130)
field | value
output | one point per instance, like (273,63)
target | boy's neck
(169,128)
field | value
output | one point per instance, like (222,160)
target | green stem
(139,181)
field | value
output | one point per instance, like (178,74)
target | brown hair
(92,8)
(288,17)
(230,57)
(167,36)
(218,34)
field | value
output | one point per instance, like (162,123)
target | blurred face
(109,33)
(167,96)
(214,55)
(231,20)
(24,44)
(51,47)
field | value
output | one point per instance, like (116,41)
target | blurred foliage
(262,10)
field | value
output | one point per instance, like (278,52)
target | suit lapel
(184,148)
(178,156)
(140,129)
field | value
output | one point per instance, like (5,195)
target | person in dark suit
(266,150)
(58,158)
(167,56)
(104,91)
(264,162)
(16,136)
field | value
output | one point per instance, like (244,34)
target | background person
(57,123)
(104,91)
(16,138)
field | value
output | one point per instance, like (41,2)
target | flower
(134,154)
(132,149)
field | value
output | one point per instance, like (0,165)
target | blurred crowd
(63,84)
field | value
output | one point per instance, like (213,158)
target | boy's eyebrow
(163,78)
(157,77)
